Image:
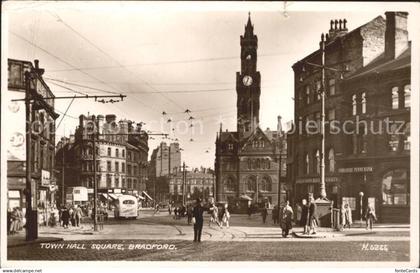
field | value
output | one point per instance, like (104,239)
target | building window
(117,182)
(308,94)
(407,95)
(307,163)
(407,136)
(117,167)
(395,97)
(252,184)
(128,169)
(311,189)
(317,162)
(317,93)
(331,160)
(123,167)
(123,153)
(109,151)
(117,153)
(354,104)
(134,170)
(331,87)
(108,166)
(249,164)
(395,188)
(230,146)
(364,103)
(266,184)
(108,181)
(331,114)
(230,184)
(394,138)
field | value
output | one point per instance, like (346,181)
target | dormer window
(230,146)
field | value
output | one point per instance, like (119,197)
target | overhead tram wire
(110,57)
(65,62)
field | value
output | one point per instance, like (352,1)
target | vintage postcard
(209,132)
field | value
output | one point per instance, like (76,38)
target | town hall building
(247,161)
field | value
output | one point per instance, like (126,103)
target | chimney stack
(396,34)
(337,28)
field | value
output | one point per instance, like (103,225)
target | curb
(36,241)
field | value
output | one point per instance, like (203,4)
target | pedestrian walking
(225,216)
(370,216)
(346,215)
(176,213)
(169,208)
(264,213)
(78,215)
(189,214)
(275,214)
(287,216)
(15,220)
(214,218)
(304,218)
(198,220)
(313,220)
(65,216)
(249,208)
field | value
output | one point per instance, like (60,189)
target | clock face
(247,80)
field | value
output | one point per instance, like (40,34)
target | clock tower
(248,87)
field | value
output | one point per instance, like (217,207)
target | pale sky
(136,48)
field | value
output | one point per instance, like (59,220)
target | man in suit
(198,223)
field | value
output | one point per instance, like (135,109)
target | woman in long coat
(287,217)
(65,216)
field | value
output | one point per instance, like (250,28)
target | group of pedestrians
(15,220)
(221,217)
(71,215)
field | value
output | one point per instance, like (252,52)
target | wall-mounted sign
(45,178)
(329,179)
(356,170)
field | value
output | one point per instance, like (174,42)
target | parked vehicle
(126,207)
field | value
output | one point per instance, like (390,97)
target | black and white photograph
(137,131)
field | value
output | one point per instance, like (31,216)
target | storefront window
(395,188)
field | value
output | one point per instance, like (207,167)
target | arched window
(407,95)
(395,97)
(307,163)
(117,153)
(249,164)
(266,184)
(317,162)
(252,184)
(364,103)
(109,151)
(230,184)
(331,160)
(354,104)
(395,187)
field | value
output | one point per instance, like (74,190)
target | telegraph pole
(62,173)
(95,185)
(323,191)
(31,232)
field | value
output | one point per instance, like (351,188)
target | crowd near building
(42,117)
(121,157)
(248,160)
(367,150)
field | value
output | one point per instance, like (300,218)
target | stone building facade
(374,56)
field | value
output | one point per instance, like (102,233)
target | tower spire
(249,28)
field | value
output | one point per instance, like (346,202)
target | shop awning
(245,197)
(113,196)
(148,196)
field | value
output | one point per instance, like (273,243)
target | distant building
(375,88)
(247,161)
(43,118)
(121,156)
(164,161)
(199,183)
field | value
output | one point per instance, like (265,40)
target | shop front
(384,184)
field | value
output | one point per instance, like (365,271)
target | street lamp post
(323,67)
